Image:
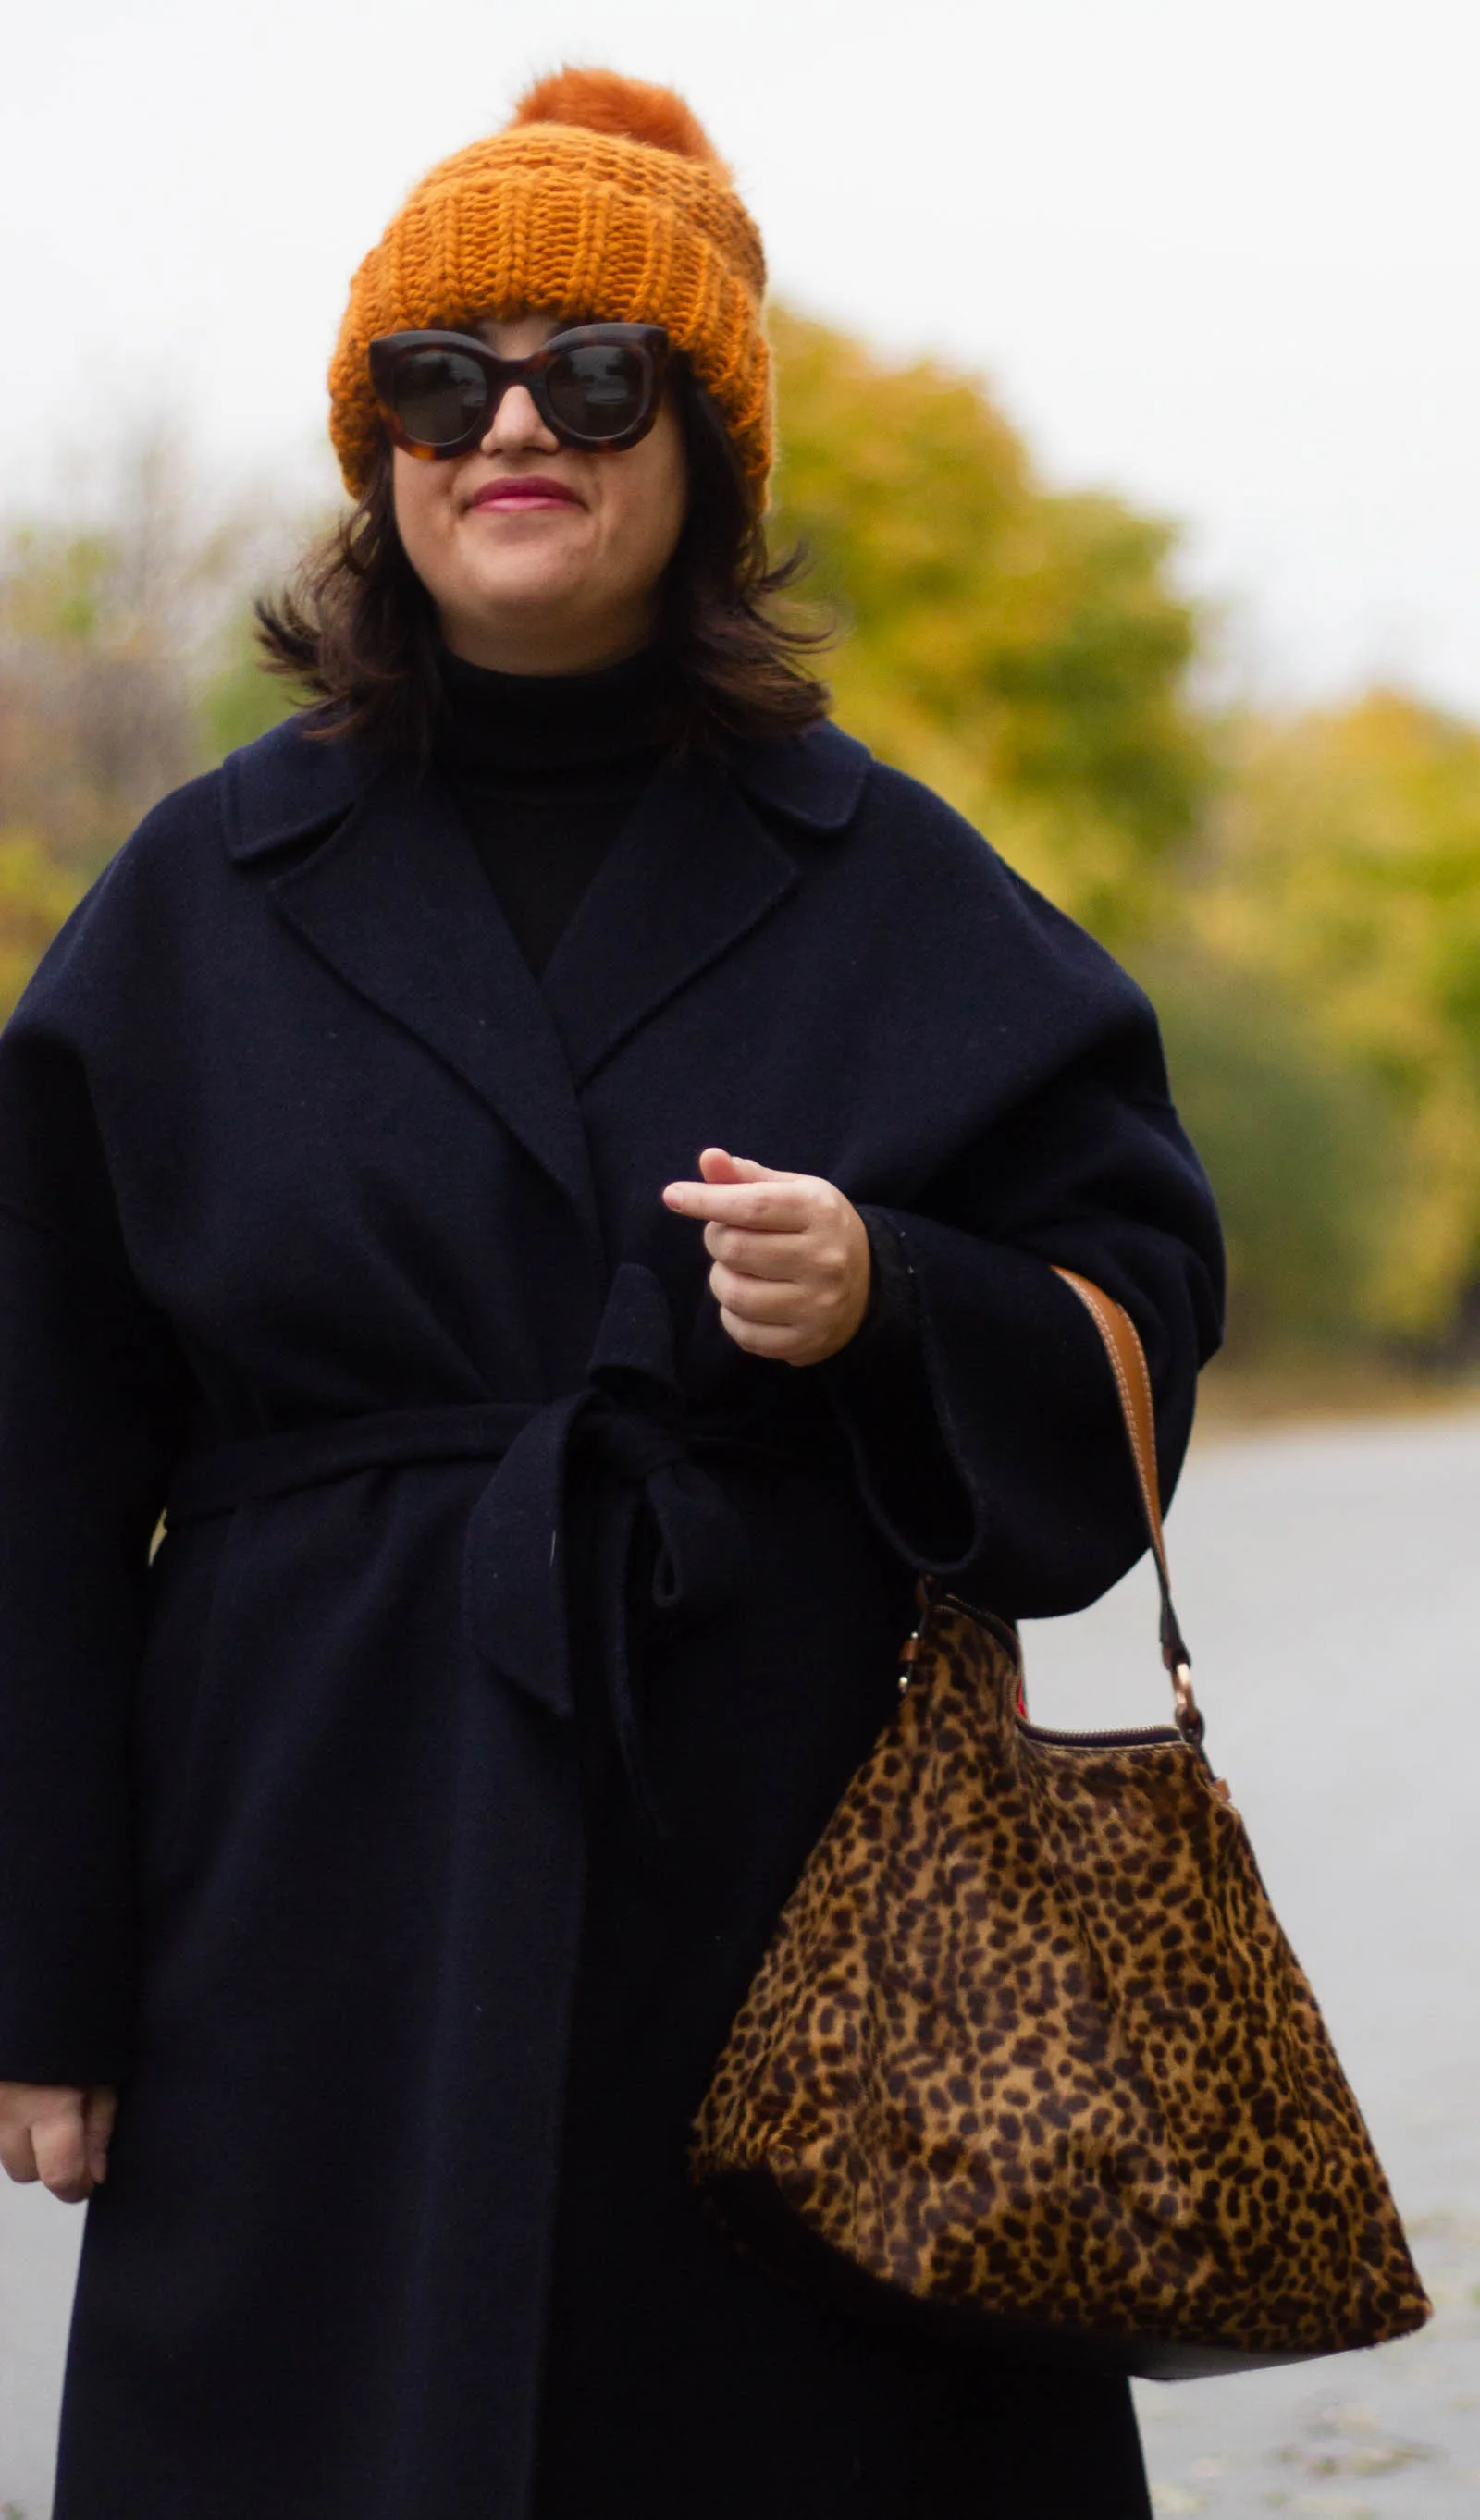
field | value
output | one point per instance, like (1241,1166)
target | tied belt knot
(628,1419)
(628,1442)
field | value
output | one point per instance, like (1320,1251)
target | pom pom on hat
(602,198)
(625,108)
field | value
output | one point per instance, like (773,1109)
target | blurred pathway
(1331,1586)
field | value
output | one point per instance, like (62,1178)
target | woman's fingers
(99,2109)
(717,1165)
(761,1338)
(781,1206)
(771,1317)
(756,1299)
(759,1255)
(55,2126)
(17,2157)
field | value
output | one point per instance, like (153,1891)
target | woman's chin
(536,627)
(524,592)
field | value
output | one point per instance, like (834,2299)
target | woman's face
(543,558)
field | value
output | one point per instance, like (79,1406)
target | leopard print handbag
(1029,2060)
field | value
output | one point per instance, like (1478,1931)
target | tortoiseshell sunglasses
(598,386)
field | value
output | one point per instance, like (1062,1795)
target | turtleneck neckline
(517,724)
(546,769)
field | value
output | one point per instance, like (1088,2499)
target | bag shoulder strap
(1133,1386)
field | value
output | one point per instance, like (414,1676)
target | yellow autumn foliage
(1023,652)
(1346,875)
(36,893)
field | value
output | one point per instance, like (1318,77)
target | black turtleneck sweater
(546,769)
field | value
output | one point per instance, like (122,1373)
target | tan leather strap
(1133,1386)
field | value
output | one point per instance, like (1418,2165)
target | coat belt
(628,1418)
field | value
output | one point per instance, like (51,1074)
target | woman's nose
(517,424)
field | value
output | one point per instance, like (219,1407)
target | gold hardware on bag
(913,1647)
(1188,1718)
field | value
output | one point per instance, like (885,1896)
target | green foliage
(59,590)
(1346,879)
(241,701)
(1023,652)
(1292,1139)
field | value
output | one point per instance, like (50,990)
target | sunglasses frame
(649,340)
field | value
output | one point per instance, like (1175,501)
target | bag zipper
(1141,1739)
(1147,1736)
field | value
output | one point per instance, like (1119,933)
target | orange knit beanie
(601,199)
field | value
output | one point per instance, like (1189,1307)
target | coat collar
(285,786)
(394,901)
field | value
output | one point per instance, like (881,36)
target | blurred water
(1331,1587)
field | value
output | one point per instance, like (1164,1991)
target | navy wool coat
(402,1830)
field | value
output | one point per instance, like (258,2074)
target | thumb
(715,1165)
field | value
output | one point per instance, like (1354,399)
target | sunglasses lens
(599,389)
(438,395)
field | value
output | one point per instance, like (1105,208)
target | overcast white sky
(1222,254)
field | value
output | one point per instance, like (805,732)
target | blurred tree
(1345,876)
(1295,1142)
(94,720)
(36,895)
(1023,652)
(239,700)
(116,639)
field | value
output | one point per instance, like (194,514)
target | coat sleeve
(981,1412)
(91,1396)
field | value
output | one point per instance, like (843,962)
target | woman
(542,1508)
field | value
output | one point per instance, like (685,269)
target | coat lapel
(396,903)
(693,872)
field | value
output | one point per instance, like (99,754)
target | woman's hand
(59,2134)
(791,1261)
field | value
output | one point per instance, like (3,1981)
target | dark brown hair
(357,630)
